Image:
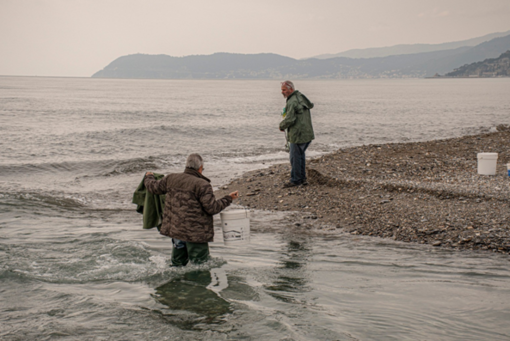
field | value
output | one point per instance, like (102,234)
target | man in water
(298,122)
(189,208)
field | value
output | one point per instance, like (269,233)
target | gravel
(423,192)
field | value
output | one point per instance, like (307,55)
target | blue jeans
(298,162)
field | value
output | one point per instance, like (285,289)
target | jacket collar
(292,94)
(194,172)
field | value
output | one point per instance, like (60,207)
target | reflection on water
(190,292)
(291,273)
(207,294)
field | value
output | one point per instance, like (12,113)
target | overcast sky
(80,37)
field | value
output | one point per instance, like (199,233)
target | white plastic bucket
(487,163)
(236,227)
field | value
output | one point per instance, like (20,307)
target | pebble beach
(421,192)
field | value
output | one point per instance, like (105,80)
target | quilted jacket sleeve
(209,202)
(156,186)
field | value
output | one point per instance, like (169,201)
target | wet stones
(427,192)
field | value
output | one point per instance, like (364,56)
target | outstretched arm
(209,202)
(154,186)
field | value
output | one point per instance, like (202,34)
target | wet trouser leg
(298,162)
(183,252)
(198,252)
(179,253)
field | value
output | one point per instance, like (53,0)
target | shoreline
(422,192)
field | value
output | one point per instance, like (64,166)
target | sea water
(75,263)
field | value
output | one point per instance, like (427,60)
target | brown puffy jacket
(189,205)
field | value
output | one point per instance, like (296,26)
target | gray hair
(289,85)
(194,161)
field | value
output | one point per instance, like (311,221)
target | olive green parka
(298,120)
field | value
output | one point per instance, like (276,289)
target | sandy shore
(425,192)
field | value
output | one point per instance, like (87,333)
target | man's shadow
(189,292)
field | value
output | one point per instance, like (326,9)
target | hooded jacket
(298,119)
(189,205)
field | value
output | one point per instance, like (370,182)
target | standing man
(300,134)
(189,208)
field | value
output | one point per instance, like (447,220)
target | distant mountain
(495,67)
(273,66)
(489,49)
(411,48)
(218,65)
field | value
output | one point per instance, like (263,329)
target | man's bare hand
(234,195)
(149,173)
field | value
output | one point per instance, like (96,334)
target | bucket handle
(245,208)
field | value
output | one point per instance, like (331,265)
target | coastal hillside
(411,48)
(495,67)
(273,66)
(218,65)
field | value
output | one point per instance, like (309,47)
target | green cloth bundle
(150,205)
